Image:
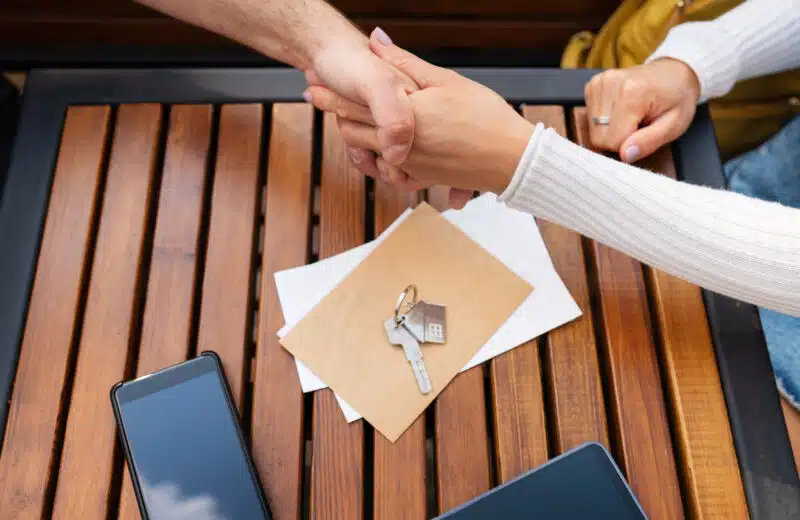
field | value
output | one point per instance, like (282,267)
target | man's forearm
(291,31)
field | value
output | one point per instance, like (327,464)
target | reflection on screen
(187,454)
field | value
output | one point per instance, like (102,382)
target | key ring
(397,319)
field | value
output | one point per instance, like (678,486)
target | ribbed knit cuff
(708,52)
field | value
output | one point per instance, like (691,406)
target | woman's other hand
(647,106)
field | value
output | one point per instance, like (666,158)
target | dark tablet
(581,484)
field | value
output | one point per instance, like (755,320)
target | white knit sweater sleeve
(756,38)
(735,245)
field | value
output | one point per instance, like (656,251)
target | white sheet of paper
(511,236)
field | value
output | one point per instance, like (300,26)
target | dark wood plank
(87,462)
(34,414)
(462,444)
(707,457)
(638,410)
(166,328)
(399,468)
(277,445)
(224,311)
(338,447)
(571,357)
(520,430)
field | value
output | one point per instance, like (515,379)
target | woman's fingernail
(382,37)
(307,96)
(383,169)
(631,153)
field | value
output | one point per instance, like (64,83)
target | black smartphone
(581,484)
(184,445)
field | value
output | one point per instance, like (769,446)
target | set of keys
(421,322)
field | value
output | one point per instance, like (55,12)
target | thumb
(393,114)
(423,73)
(665,129)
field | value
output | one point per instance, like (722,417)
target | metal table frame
(762,445)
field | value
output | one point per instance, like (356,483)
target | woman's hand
(466,136)
(660,97)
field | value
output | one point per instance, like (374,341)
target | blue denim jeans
(772,172)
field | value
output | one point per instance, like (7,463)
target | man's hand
(647,107)
(354,72)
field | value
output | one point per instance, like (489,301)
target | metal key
(399,335)
(426,322)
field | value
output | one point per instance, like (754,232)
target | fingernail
(382,37)
(307,96)
(631,153)
(396,154)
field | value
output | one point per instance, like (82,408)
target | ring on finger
(601,120)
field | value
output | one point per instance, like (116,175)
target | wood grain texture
(338,447)
(462,443)
(224,311)
(399,467)
(638,410)
(712,482)
(792,417)
(518,407)
(88,461)
(166,328)
(277,420)
(571,357)
(34,414)
(32,30)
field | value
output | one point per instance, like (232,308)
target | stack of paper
(511,236)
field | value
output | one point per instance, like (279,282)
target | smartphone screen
(184,445)
(582,484)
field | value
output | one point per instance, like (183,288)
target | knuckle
(632,87)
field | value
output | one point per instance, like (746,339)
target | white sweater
(735,245)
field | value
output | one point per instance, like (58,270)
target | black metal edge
(9,115)
(22,212)
(205,85)
(759,431)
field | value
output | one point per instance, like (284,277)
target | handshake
(412,124)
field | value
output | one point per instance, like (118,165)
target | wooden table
(143,218)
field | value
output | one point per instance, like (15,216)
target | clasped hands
(465,136)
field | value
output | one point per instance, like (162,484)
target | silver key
(426,322)
(399,335)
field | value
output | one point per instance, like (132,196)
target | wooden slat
(462,449)
(88,461)
(33,423)
(170,291)
(638,409)
(338,447)
(571,360)
(462,446)
(224,311)
(277,422)
(710,469)
(399,468)
(792,418)
(520,430)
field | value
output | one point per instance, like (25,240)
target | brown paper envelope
(343,340)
